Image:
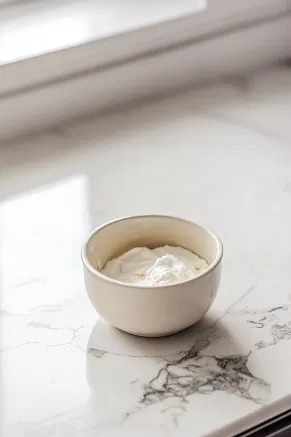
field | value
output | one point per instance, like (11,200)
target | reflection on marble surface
(220,156)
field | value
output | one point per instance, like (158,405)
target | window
(43,43)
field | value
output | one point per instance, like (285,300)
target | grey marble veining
(199,370)
(219,155)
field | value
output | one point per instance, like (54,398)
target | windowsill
(62,39)
(166,52)
(30,30)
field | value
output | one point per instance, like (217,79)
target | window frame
(97,75)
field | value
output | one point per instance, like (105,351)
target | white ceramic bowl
(145,310)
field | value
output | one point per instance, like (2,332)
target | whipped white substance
(162,266)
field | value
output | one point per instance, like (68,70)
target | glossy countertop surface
(221,156)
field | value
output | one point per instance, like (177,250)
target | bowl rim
(105,278)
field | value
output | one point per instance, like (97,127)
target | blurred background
(68,59)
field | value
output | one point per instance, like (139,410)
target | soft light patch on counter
(40,238)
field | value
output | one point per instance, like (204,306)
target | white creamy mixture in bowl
(152,275)
(165,265)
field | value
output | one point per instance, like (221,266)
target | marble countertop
(220,155)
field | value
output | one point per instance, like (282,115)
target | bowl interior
(115,238)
